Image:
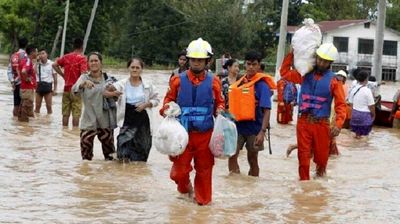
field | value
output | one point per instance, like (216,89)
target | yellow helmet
(328,52)
(199,49)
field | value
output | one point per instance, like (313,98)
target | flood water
(44,180)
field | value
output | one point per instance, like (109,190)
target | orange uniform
(311,133)
(197,148)
(285,110)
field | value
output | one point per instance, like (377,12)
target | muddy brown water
(44,180)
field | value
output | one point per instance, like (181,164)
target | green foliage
(393,15)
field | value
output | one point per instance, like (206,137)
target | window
(390,48)
(365,46)
(336,68)
(341,43)
(367,25)
(389,74)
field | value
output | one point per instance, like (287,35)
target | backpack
(289,93)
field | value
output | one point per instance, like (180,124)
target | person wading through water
(318,88)
(199,95)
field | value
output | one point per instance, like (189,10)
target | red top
(175,83)
(336,87)
(27,66)
(74,65)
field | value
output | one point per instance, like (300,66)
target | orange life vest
(242,98)
(397,114)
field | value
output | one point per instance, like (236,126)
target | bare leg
(252,158)
(75,121)
(48,98)
(65,121)
(233,164)
(38,103)
(290,149)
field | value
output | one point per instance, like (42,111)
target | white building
(354,40)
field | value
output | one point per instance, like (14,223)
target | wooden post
(378,42)
(53,49)
(65,29)
(89,26)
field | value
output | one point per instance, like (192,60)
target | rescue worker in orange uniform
(199,95)
(318,88)
(395,114)
(285,109)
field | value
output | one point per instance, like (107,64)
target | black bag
(43,88)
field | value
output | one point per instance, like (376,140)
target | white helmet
(199,49)
(342,73)
(328,52)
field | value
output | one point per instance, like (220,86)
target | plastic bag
(223,141)
(305,42)
(171,137)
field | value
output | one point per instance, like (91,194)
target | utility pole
(282,38)
(378,42)
(65,29)
(53,49)
(89,26)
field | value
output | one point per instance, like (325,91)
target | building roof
(327,26)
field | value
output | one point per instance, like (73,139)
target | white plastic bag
(305,42)
(223,140)
(171,137)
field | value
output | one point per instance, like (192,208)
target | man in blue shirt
(251,132)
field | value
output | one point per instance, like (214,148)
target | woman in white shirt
(362,101)
(134,113)
(45,77)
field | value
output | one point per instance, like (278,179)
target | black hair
(29,49)
(135,58)
(362,76)
(97,54)
(355,73)
(252,56)
(22,42)
(372,79)
(182,53)
(42,49)
(78,43)
(229,63)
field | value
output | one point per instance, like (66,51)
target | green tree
(393,15)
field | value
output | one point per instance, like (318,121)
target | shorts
(249,141)
(71,104)
(17,96)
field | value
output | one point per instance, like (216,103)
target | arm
(57,67)
(218,96)
(10,75)
(80,84)
(340,106)
(287,72)
(55,82)
(265,104)
(153,98)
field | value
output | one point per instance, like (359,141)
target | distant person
(14,72)
(362,100)
(287,99)
(182,64)
(74,65)
(46,82)
(395,115)
(135,113)
(232,66)
(28,84)
(95,118)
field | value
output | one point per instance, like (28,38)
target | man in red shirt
(74,65)
(199,96)
(318,88)
(28,84)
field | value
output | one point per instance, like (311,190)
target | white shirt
(361,97)
(46,71)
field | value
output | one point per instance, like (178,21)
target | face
(234,68)
(135,68)
(43,56)
(182,61)
(197,65)
(322,64)
(94,63)
(252,67)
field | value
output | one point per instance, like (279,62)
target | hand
(141,107)
(335,131)
(259,139)
(88,84)
(219,111)
(54,93)
(116,94)
(28,79)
